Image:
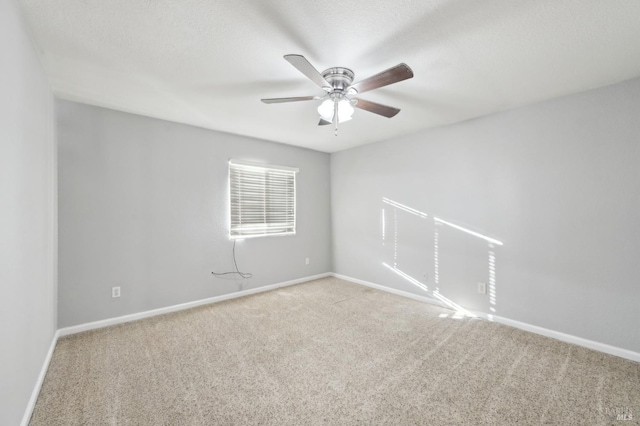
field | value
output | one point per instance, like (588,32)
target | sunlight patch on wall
(438,242)
(407,277)
(468,231)
(405,208)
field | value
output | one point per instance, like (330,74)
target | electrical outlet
(115,292)
(306,261)
(482,288)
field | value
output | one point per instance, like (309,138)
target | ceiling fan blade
(323,122)
(392,75)
(301,63)
(296,99)
(376,108)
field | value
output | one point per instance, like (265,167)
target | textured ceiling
(208,63)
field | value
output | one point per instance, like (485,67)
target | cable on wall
(237,271)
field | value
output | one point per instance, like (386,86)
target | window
(262,199)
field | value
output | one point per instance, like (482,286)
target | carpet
(329,352)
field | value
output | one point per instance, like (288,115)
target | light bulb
(345,110)
(326,110)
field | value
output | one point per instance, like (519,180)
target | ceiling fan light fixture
(326,110)
(345,110)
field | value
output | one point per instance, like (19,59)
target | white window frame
(250,228)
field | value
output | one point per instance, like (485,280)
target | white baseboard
(597,346)
(146,314)
(425,299)
(36,389)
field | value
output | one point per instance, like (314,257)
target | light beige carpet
(329,352)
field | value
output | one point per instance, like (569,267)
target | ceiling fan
(340,97)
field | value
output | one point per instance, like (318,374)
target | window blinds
(262,199)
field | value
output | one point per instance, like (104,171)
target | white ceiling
(208,62)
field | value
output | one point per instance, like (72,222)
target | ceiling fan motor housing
(339,78)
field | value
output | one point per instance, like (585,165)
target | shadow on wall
(463,260)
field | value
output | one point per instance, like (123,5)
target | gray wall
(558,183)
(27,216)
(143,204)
